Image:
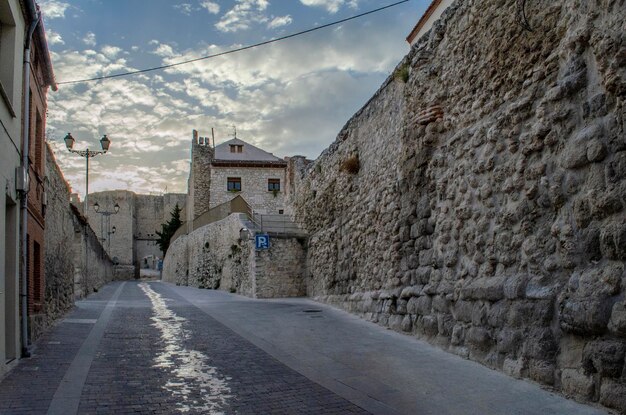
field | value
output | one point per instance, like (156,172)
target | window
(38,141)
(233,184)
(37,272)
(8,45)
(236,148)
(273,185)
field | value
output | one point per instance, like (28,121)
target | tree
(168,229)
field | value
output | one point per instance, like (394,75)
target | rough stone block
(541,371)
(613,394)
(515,286)
(479,338)
(575,382)
(509,341)
(530,313)
(617,323)
(458,335)
(514,367)
(462,311)
(605,357)
(490,289)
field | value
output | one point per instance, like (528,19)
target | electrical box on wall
(22,179)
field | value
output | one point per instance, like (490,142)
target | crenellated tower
(202,153)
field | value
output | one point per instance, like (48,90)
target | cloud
(280,21)
(289,98)
(54,38)
(211,7)
(53,9)
(243,15)
(332,6)
(185,8)
(90,39)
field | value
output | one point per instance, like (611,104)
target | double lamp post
(105,143)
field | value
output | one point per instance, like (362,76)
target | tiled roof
(249,153)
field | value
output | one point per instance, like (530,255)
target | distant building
(430,16)
(234,168)
(129,236)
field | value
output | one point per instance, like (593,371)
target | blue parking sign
(262,241)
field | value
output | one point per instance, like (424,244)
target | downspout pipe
(35,18)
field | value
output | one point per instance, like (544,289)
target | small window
(281,211)
(236,148)
(233,184)
(273,185)
(239,149)
(233,149)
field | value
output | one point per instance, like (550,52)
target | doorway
(10,280)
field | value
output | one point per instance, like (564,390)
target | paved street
(154,348)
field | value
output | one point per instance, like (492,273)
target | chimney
(195,137)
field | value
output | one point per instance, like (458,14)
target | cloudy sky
(290,97)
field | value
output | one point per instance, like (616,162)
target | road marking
(81,320)
(67,396)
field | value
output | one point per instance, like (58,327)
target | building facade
(234,168)
(22,115)
(129,236)
(41,78)
(12,28)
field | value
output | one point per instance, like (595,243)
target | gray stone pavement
(154,348)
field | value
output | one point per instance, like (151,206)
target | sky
(289,98)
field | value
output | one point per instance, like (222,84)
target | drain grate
(312,310)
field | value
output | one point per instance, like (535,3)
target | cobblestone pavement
(159,355)
(146,347)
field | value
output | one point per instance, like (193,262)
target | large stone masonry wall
(212,256)
(477,201)
(253,187)
(279,271)
(58,253)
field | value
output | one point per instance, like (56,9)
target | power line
(228,52)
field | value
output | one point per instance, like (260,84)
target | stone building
(129,236)
(234,168)
(22,157)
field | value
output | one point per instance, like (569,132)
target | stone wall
(214,256)
(136,223)
(93,267)
(253,187)
(279,271)
(477,200)
(199,179)
(58,255)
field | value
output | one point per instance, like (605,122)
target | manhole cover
(312,310)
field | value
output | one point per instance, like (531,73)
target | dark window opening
(236,148)
(273,185)
(36,272)
(233,184)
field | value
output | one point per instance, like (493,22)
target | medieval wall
(253,187)
(58,255)
(212,256)
(199,179)
(279,271)
(477,201)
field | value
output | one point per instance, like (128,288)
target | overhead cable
(228,52)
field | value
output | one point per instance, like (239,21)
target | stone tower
(199,176)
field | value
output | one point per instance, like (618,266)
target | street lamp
(105,143)
(107,214)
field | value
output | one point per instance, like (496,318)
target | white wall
(11,51)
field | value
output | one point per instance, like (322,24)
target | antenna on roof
(235,130)
(213,135)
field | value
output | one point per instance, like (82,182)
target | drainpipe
(34,17)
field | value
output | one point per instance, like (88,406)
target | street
(154,348)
